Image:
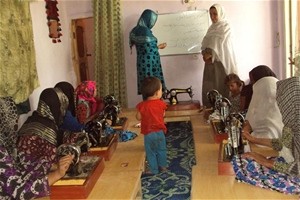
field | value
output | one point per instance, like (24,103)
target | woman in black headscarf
(70,121)
(21,176)
(38,135)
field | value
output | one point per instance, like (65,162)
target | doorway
(83,48)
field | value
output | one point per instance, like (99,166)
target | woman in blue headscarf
(148,58)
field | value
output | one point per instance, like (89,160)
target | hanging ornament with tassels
(53,20)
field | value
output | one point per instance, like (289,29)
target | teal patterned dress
(148,58)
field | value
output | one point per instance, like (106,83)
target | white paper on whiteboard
(182,31)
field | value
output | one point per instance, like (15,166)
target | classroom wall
(257,27)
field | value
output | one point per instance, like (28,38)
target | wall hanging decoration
(53,20)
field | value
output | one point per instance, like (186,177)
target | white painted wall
(255,24)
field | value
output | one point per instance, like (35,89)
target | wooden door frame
(75,57)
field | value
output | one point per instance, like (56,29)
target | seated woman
(263,117)
(281,173)
(87,105)
(21,177)
(70,121)
(254,75)
(38,135)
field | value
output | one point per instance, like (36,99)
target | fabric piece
(110,73)
(125,136)
(152,114)
(263,114)
(18,72)
(219,39)
(148,58)
(251,172)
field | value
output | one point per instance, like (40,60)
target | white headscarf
(218,38)
(263,113)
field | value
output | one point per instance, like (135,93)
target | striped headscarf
(45,120)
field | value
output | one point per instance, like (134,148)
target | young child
(235,86)
(151,112)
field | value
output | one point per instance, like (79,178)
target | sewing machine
(172,94)
(212,97)
(82,145)
(235,143)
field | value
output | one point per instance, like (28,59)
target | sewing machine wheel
(67,149)
(238,116)
(222,102)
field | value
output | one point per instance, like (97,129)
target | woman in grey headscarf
(281,173)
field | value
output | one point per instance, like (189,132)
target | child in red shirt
(151,113)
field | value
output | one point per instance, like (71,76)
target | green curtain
(18,74)
(109,50)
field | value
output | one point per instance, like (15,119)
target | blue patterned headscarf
(142,33)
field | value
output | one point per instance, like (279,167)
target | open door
(83,48)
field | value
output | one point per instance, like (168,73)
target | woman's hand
(162,45)
(64,164)
(207,58)
(259,159)
(246,135)
(62,168)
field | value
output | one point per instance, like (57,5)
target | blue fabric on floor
(175,183)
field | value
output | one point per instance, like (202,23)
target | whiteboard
(183,31)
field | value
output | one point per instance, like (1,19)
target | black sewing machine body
(81,145)
(235,144)
(172,94)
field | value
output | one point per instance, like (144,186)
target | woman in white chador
(218,54)
(263,113)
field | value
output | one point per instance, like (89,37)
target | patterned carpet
(174,184)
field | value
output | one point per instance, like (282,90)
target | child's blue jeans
(156,150)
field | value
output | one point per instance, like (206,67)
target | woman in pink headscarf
(87,103)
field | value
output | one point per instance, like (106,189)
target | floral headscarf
(85,91)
